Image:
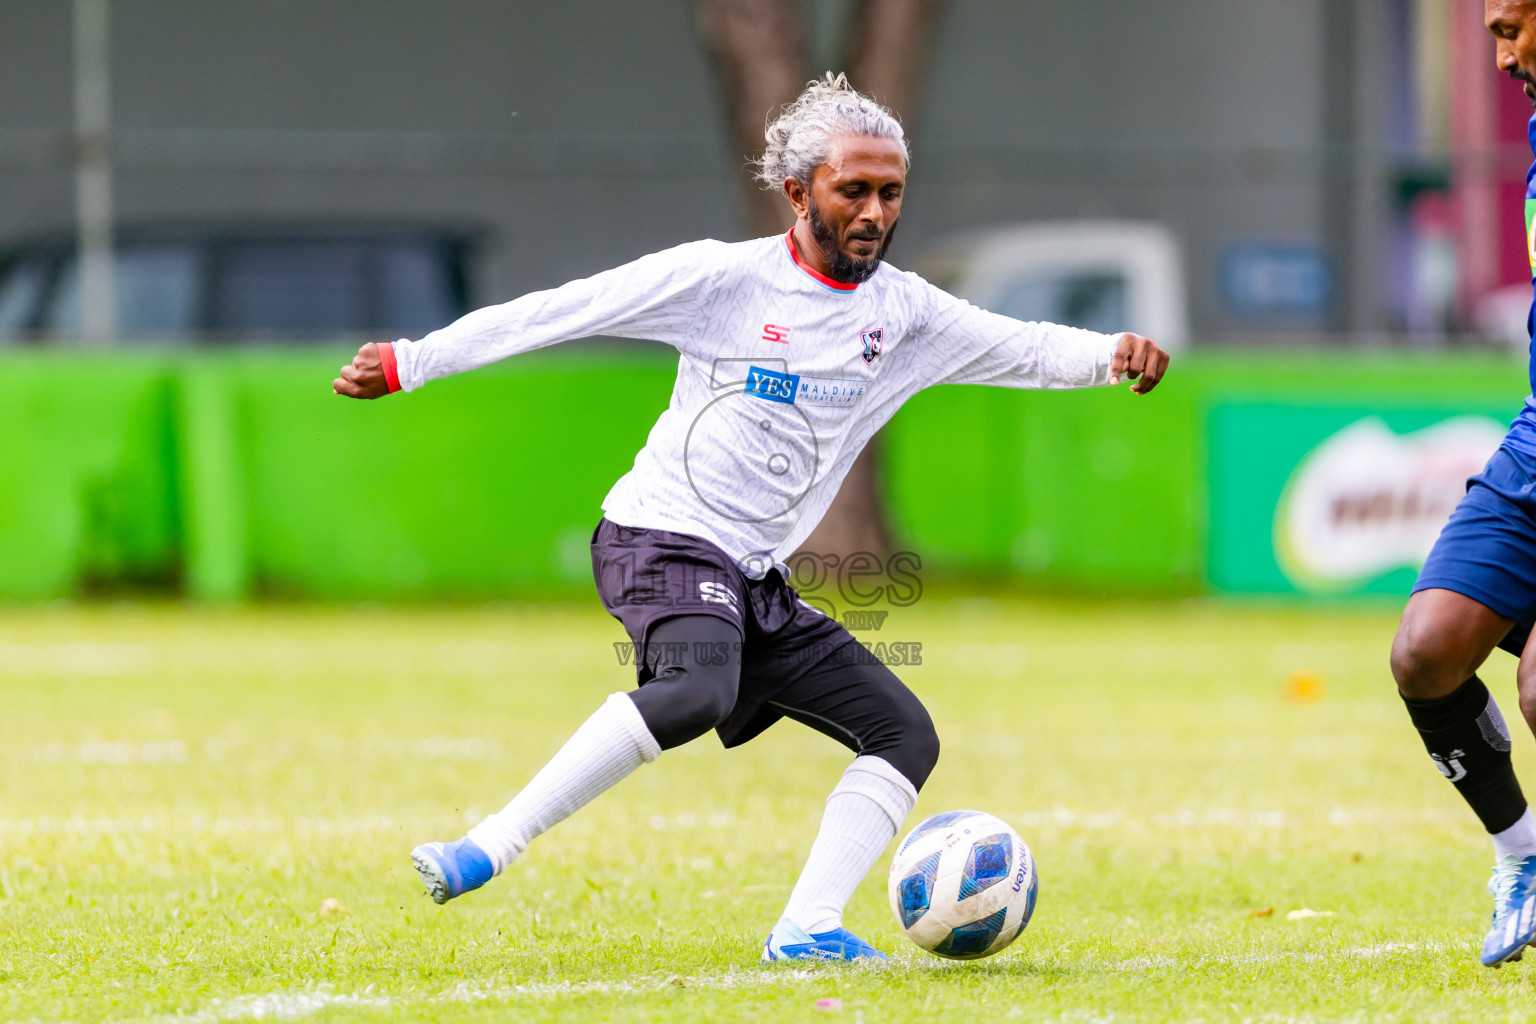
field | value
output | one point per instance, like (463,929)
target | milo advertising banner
(1336,500)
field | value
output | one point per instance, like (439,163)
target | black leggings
(853,699)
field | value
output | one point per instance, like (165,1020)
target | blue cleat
(1513,886)
(452,869)
(791,942)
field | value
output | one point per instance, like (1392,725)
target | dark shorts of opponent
(645,577)
(1487,550)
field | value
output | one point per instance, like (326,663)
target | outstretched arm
(658,297)
(964,344)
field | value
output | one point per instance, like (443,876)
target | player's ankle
(499,849)
(816,924)
(1519,840)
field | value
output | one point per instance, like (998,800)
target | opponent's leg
(1443,639)
(860,703)
(696,665)
(1525,681)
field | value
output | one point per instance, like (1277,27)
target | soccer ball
(963,885)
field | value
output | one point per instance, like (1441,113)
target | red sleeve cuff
(391,368)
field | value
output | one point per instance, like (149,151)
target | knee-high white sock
(863,813)
(607,747)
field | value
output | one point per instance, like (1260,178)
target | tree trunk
(887,52)
(759,51)
(760,56)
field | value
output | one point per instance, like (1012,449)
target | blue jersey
(1522,433)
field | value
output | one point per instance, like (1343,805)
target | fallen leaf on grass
(1306,912)
(1304,687)
(1266,912)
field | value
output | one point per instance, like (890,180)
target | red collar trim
(821,279)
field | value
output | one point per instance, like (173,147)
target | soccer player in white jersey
(794,350)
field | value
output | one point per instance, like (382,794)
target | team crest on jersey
(874,342)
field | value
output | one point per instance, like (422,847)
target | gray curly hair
(800,138)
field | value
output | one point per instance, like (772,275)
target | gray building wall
(1204,115)
(583,133)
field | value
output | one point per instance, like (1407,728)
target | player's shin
(862,815)
(1468,740)
(606,748)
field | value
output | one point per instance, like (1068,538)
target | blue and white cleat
(1513,886)
(791,942)
(452,869)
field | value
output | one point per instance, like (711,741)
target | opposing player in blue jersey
(1477,592)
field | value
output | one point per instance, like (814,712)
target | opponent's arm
(657,297)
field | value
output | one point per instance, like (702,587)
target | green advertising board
(225,475)
(1336,499)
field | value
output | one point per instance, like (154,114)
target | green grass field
(180,790)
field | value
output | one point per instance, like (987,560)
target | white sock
(863,813)
(1519,840)
(607,747)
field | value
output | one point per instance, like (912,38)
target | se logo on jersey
(773,332)
(718,593)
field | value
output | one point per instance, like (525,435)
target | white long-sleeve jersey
(783,376)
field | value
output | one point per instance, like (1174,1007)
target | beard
(846,269)
(1528,82)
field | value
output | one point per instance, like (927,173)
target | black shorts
(646,576)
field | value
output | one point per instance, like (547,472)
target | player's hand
(364,376)
(1139,359)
